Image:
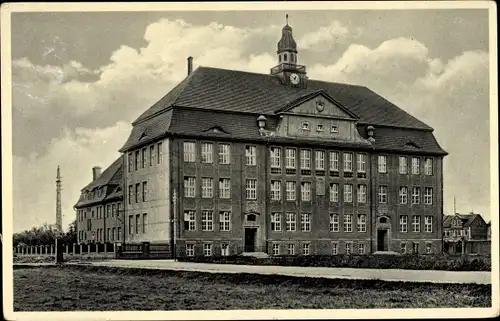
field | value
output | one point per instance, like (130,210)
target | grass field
(89,288)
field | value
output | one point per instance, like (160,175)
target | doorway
(250,238)
(382,240)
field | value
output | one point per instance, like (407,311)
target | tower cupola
(287,47)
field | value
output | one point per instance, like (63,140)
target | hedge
(410,262)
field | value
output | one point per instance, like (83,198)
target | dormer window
(305,126)
(334,129)
(319,128)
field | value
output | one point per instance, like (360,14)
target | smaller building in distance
(99,210)
(465,233)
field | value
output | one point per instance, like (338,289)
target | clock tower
(288,71)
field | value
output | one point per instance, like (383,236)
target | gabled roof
(466,219)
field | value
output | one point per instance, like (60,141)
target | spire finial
(287,19)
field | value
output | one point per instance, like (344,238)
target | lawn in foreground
(74,288)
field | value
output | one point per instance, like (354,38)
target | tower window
(285,57)
(279,58)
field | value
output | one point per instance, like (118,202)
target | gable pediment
(318,104)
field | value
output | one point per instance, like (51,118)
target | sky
(80,78)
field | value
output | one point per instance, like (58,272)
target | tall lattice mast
(58,201)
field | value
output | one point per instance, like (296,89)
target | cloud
(328,37)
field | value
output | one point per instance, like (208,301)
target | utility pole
(59,253)
(454,205)
(174,225)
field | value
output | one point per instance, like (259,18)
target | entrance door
(382,240)
(250,234)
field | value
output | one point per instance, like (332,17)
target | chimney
(96,172)
(190,65)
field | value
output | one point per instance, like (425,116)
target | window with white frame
(334,192)
(415,247)
(347,222)
(305,191)
(290,156)
(334,222)
(428,248)
(415,223)
(428,224)
(403,195)
(251,155)
(415,165)
(403,165)
(361,162)
(305,126)
(189,186)
(207,249)
(291,190)
(428,166)
(361,248)
(159,153)
(130,158)
(225,188)
(189,249)
(382,164)
(415,195)
(320,160)
(291,249)
(276,222)
(305,159)
(190,220)
(348,193)
(305,222)
(348,248)
(306,248)
(207,153)
(361,223)
(152,155)
(224,249)
(347,162)
(224,154)
(251,189)
(291,222)
(320,128)
(189,151)
(276,249)
(275,154)
(334,129)
(334,161)
(428,196)
(362,190)
(382,194)
(403,249)
(207,220)
(335,248)
(225,221)
(275,190)
(403,223)
(207,187)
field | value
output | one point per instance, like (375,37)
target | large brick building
(230,162)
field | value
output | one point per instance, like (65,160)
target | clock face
(294,79)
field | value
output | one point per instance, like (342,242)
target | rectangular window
(113,210)
(348,193)
(207,249)
(305,159)
(361,248)
(348,248)
(382,194)
(189,249)
(137,159)
(361,223)
(251,189)
(334,222)
(225,188)
(362,189)
(382,164)
(137,192)
(275,190)
(276,249)
(415,223)
(152,155)
(225,221)
(130,162)
(291,191)
(290,156)
(137,223)
(334,192)
(144,151)
(207,153)
(361,162)
(207,220)
(108,211)
(224,249)
(189,152)
(403,195)
(428,224)
(428,196)
(251,155)
(334,161)
(291,249)
(190,220)
(275,157)
(428,166)
(415,247)
(189,186)
(130,225)
(319,128)
(305,191)
(224,154)
(335,248)
(347,222)
(207,187)
(415,195)
(144,223)
(403,248)
(275,222)
(291,222)
(305,222)
(428,248)
(305,126)
(415,165)
(320,160)
(403,223)
(347,162)
(144,191)
(306,248)
(403,165)
(159,151)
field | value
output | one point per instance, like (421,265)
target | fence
(144,250)
(471,247)
(105,250)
